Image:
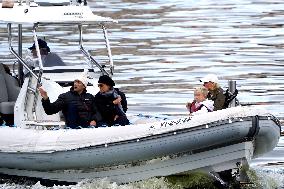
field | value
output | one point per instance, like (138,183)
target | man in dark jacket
(111,102)
(49,59)
(78,106)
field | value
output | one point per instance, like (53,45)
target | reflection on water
(162,47)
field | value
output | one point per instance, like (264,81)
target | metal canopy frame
(92,62)
(24,14)
(20,59)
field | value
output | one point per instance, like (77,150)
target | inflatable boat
(39,145)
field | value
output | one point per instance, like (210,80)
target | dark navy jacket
(78,110)
(109,110)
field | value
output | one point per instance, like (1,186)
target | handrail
(38,54)
(15,54)
(87,55)
(20,52)
(40,65)
(9,28)
(232,90)
(108,49)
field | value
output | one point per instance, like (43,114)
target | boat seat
(8,93)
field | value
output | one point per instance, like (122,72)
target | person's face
(199,97)
(103,87)
(42,52)
(33,51)
(79,86)
(209,85)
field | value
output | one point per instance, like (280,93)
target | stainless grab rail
(108,49)
(37,77)
(87,55)
(15,54)
(38,54)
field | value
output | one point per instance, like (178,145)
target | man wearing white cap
(77,106)
(216,93)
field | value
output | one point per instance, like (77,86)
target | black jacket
(78,110)
(107,109)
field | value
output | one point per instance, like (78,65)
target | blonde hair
(216,85)
(202,90)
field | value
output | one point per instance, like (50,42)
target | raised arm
(51,108)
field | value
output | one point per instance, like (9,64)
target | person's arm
(123,99)
(189,104)
(201,111)
(96,116)
(51,108)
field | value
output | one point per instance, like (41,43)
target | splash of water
(265,178)
(153,183)
(260,178)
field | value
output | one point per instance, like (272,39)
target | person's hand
(115,117)
(117,101)
(43,93)
(93,123)
(188,106)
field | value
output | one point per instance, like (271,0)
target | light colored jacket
(207,106)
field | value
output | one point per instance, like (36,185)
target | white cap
(210,78)
(83,78)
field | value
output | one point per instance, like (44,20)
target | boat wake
(261,178)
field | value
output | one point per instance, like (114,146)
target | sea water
(161,48)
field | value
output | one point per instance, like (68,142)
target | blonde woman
(200,103)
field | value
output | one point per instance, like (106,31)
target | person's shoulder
(52,59)
(98,95)
(68,93)
(89,95)
(119,92)
(220,90)
(53,55)
(64,95)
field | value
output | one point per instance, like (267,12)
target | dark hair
(106,80)
(42,45)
